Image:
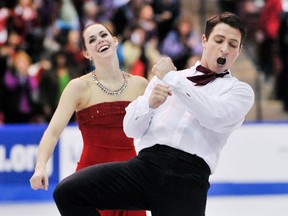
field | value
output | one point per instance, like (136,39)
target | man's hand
(159,95)
(162,67)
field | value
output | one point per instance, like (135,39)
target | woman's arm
(70,99)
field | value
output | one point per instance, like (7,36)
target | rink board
(254,161)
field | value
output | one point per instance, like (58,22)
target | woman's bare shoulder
(79,90)
(137,84)
(138,80)
(80,83)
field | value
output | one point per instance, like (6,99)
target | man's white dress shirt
(195,119)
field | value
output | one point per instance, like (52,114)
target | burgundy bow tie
(207,77)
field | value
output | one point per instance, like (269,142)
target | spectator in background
(125,17)
(19,97)
(146,21)
(4,14)
(140,53)
(68,17)
(39,68)
(107,8)
(166,12)
(14,42)
(182,44)
(267,35)
(90,12)
(74,52)
(104,9)
(46,12)
(282,78)
(133,50)
(25,20)
(24,17)
(8,50)
(53,41)
(53,82)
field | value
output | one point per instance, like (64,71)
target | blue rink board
(15,187)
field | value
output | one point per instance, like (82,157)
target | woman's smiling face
(98,41)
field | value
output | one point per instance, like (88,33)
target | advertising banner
(18,153)
(252,163)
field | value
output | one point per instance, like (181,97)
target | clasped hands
(161,91)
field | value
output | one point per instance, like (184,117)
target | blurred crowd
(41,51)
(40,46)
(267,41)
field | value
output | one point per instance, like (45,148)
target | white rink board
(254,153)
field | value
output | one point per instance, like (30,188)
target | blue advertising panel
(18,154)
(235,174)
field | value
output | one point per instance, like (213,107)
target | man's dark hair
(228,18)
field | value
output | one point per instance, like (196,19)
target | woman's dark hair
(228,18)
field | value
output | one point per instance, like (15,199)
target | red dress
(101,126)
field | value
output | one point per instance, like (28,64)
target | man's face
(223,42)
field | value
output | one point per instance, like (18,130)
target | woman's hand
(39,180)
